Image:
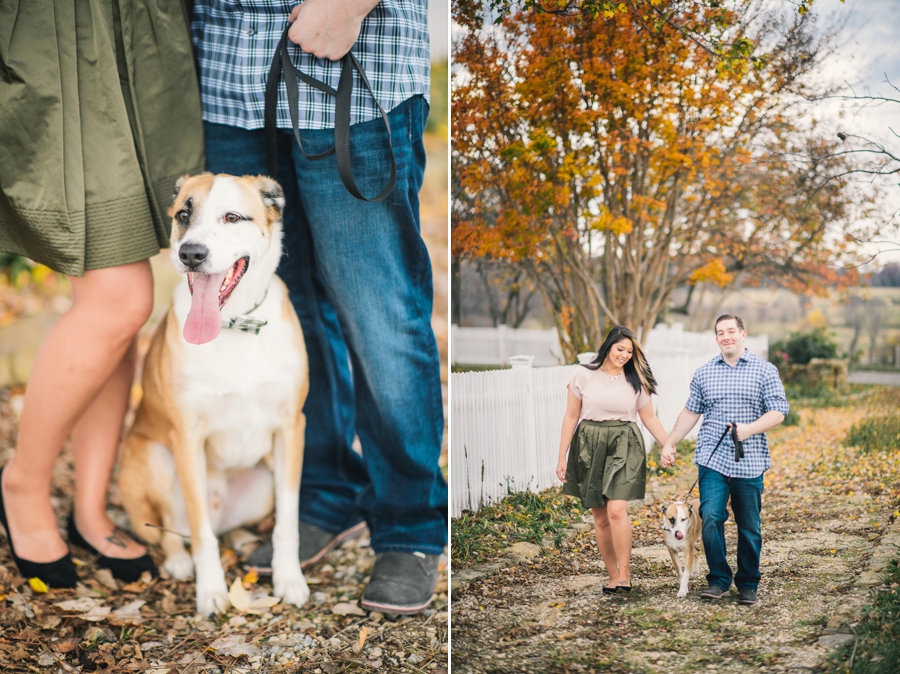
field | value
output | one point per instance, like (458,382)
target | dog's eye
(182,215)
(232,217)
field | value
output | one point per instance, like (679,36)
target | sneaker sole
(392,608)
(746,602)
(349,534)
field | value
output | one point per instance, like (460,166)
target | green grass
(437,117)
(521,516)
(878,433)
(878,648)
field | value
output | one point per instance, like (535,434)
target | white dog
(219,433)
(682,529)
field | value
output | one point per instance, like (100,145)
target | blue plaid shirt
(742,394)
(234,41)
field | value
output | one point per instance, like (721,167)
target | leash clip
(244,324)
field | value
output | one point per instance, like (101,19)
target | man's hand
(667,457)
(328,29)
(743,431)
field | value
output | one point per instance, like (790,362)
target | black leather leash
(738,452)
(281,63)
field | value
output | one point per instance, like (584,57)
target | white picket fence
(505,424)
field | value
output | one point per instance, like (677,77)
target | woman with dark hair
(606,467)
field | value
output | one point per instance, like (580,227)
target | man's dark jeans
(359,277)
(746,503)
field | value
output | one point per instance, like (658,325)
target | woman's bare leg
(73,365)
(95,444)
(605,545)
(620,526)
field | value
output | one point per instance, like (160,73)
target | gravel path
(548,614)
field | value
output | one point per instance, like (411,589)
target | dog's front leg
(287,578)
(190,462)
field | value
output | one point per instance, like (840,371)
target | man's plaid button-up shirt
(235,39)
(741,394)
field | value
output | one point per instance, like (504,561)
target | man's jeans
(359,277)
(746,503)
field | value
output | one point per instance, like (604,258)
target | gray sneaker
(713,592)
(401,582)
(747,597)
(315,543)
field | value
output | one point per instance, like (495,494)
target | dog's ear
(690,508)
(271,193)
(177,189)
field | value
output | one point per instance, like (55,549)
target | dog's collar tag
(244,324)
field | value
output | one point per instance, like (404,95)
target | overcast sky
(870,55)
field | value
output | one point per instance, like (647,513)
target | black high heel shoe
(126,570)
(58,574)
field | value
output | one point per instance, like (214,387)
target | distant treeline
(889,277)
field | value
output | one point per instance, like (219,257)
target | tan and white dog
(682,529)
(219,433)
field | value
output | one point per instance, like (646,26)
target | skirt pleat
(99,116)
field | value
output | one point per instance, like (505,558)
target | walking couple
(606,464)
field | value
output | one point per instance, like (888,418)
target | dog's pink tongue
(203,321)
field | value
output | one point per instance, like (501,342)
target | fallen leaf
(51,623)
(243,601)
(229,559)
(130,613)
(251,577)
(105,578)
(133,588)
(235,645)
(38,585)
(83,604)
(90,609)
(345,608)
(47,659)
(64,645)
(363,634)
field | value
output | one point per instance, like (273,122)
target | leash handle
(282,65)
(733,429)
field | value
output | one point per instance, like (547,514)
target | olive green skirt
(606,461)
(99,115)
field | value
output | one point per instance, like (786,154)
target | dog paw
(179,566)
(682,593)
(212,602)
(292,590)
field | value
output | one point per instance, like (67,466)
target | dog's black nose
(193,254)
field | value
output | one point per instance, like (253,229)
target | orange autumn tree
(614,165)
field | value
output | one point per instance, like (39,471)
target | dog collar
(243,322)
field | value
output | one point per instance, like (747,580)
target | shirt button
(251,32)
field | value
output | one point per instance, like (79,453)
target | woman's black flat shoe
(58,574)
(126,570)
(608,590)
(623,588)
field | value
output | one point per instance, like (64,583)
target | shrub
(802,347)
(875,433)
(792,418)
